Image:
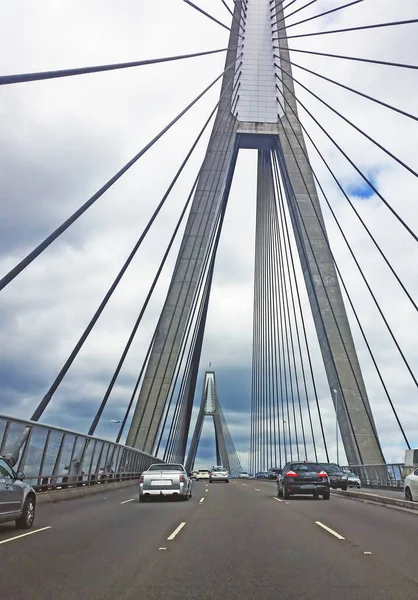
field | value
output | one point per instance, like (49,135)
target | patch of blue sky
(361,189)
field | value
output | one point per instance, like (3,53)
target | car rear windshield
(218,469)
(203,471)
(164,467)
(331,468)
(306,468)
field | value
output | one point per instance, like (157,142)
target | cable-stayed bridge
(334,237)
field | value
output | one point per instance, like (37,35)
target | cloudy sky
(62,140)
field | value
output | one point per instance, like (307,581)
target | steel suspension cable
(138,381)
(283,353)
(286,319)
(283,218)
(287,250)
(270,331)
(346,57)
(203,12)
(293,284)
(200,305)
(348,29)
(369,183)
(227,140)
(294,12)
(298,232)
(240,25)
(42,75)
(358,265)
(323,14)
(139,319)
(234,99)
(146,302)
(184,342)
(275,328)
(197,347)
(256,346)
(205,226)
(342,279)
(350,89)
(287,5)
(66,224)
(293,204)
(279,344)
(48,396)
(376,244)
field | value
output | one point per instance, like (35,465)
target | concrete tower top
(258,93)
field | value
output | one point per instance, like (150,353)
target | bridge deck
(238,543)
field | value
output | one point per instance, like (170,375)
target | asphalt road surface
(230,541)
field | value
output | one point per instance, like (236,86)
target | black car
(336,476)
(303,478)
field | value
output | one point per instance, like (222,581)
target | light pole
(335,392)
(284,440)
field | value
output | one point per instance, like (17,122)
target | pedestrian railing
(54,458)
(379,476)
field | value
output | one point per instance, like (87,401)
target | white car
(243,475)
(202,474)
(352,480)
(411,486)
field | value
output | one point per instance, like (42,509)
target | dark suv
(303,478)
(336,476)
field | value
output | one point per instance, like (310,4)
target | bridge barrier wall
(367,497)
(389,476)
(53,458)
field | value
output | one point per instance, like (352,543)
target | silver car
(17,498)
(165,479)
(219,474)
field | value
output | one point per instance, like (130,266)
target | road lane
(95,545)
(391,535)
(238,543)
(244,545)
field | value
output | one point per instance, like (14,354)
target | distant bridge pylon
(226,453)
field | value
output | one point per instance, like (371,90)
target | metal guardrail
(55,458)
(379,476)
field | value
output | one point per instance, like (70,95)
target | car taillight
(181,478)
(291,474)
(141,479)
(322,474)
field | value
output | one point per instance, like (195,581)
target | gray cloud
(61,140)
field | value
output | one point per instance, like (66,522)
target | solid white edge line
(16,537)
(331,531)
(176,531)
(201,500)
(126,501)
(278,499)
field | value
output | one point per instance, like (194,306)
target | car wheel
(227,481)
(315,495)
(28,514)
(279,493)
(286,494)
(408,494)
(344,488)
(326,495)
